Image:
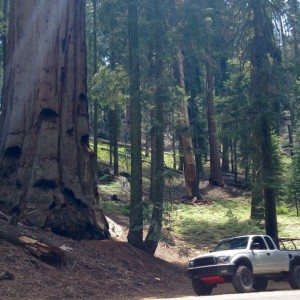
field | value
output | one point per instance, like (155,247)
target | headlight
(223,259)
(191,263)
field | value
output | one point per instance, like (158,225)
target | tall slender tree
(262,49)
(184,130)
(191,182)
(154,232)
(135,233)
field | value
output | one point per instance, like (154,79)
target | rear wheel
(260,284)
(242,280)
(294,277)
(201,288)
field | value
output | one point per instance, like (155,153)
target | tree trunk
(114,122)
(191,183)
(153,154)
(268,174)
(174,151)
(4,35)
(225,155)
(135,233)
(257,193)
(215,177)
(154,232)
(46,173)
(261,76)
(95,70)
(114,134)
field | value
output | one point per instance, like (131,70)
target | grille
(200,262)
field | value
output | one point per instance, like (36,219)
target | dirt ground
(110,269)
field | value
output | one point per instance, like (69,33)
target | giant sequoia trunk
(46,176)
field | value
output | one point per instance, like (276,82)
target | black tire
(294,277)
(260,284)
(201,288)
(242,280)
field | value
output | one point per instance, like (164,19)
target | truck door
(261,255)
(279,259)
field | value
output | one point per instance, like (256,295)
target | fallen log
(35,241)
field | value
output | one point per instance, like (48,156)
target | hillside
(94,270)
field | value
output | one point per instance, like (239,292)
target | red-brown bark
(46,177)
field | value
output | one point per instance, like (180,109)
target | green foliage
(117,208)
(109,87)
(281,167)
(202,226)
(294,184)
(232,217)
(222,31)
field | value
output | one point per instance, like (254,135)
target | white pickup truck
(248,262)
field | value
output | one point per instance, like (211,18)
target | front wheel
(242,280)
(201,288)
(294,277)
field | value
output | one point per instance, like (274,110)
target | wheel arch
(294,262)
(244,261)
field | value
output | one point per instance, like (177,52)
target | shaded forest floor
(110,269)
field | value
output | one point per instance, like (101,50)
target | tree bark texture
(46,174)
(135,233)
(4,35)
(191,182)
(95,70)
(158,184)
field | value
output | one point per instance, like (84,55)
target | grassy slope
(201,226)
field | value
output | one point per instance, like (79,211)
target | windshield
(234,243)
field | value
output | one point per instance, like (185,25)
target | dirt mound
(110,269)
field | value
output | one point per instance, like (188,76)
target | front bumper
(213,270)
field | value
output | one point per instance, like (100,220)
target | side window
(259,243)
(269,242)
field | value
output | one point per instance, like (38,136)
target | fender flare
(294,261)
(245,261)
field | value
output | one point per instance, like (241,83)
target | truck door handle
(268,254)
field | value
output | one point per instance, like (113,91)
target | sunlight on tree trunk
(135,233)
(191,182)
